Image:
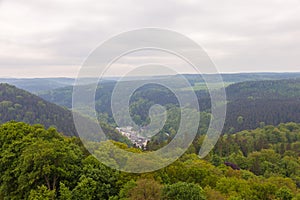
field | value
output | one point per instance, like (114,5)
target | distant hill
(242,77)
(254,102)
(19,105)
(266,89)
(35,85)
(262,102)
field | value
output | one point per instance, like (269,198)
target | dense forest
(271,89)
(256,158)
(254,103)
(250,104)
(261,164)
(19,105)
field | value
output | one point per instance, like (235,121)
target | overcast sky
(41,38)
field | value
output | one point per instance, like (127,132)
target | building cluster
(133,136)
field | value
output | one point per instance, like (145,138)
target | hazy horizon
(74,77)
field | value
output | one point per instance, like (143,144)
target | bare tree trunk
(48,182)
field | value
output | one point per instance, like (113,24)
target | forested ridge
(38,162)
(255,103)
(266,89)
(250,104)
(41,164)
(34,85)
(22,106)
(19,105)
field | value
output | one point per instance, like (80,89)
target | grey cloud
(251,35)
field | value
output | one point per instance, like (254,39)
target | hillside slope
(19,105)
(255,103)
(35,85)
(270,89)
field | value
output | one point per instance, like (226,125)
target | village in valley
(136,139)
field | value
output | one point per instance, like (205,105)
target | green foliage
(240,120)
(35,156)
(42,164)
(64,192)
(41,193)
(182,190)
(85,189)
(284,194)
(127,188)
(19,105)
(146,190)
